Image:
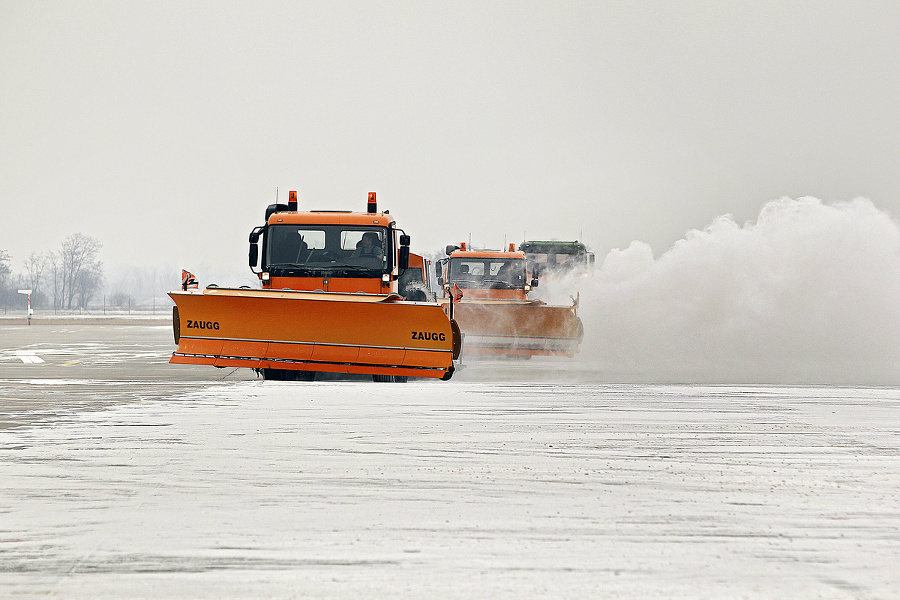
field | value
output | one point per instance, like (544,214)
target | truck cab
(556,257)
(329,251)
(485,274)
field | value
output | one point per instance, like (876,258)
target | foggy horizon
(164,130)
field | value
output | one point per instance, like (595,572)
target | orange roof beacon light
(329,301)
(485,292)
(373,206)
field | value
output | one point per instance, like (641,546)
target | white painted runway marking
(29,357)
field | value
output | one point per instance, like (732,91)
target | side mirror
(450,248)
(403,261)
(404,240)
(253,256)
(534,283)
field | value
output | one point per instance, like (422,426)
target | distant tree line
(65,279)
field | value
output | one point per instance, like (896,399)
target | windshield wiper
(317,270)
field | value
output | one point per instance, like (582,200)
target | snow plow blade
(376,334)
(518,328)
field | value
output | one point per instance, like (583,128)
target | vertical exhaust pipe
(373,207)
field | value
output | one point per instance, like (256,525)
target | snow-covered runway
(252,489)
(463,489)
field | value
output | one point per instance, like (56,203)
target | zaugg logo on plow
(202,324)
(419,335)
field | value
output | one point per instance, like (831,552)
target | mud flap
(448,374)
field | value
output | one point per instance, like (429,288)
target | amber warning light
(373,207)
(292,201)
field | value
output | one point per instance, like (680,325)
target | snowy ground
(125,477)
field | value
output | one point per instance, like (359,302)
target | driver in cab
(369,247)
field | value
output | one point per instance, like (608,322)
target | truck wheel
(390,378)
(273,374)
(288,375)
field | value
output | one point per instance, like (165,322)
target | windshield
(488,273)
(554,261)
(308,250)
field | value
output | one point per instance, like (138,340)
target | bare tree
(80,272)
(5,270)
(5,278)
(55,272)
(89,283)
(35,267)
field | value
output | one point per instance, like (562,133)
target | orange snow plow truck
(328,303)
(494,313)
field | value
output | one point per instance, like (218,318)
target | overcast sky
(164,128)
